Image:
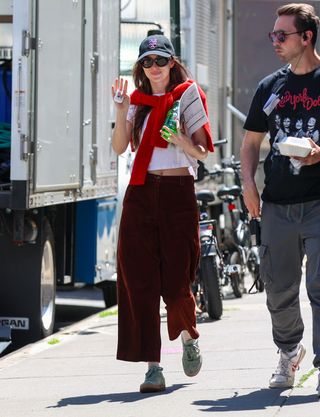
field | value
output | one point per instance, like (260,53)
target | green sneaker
(154,380)
(191,358)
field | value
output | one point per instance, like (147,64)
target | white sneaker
(288,364)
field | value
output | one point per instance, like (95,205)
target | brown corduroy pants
(158,253)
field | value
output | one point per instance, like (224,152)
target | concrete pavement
(79,376)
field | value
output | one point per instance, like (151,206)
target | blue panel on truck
(5,94)
(95,245)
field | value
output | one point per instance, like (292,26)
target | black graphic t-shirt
(296,114)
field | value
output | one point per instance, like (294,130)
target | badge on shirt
(271,103)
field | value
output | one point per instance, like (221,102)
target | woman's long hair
(178,74)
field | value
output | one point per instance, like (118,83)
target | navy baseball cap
(156,45)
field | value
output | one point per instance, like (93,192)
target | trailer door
(58,108)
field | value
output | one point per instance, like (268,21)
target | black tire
(27,298)
(259,285)
(109,289)
(254,269)
(209,278)
(237,279)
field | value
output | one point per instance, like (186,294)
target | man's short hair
(305,17)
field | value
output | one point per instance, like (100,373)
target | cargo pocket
(265,265)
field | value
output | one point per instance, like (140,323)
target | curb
(62,336)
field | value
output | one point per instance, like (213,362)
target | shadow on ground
(120,397)
(257,400)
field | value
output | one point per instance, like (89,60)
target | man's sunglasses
(281,35)
(160,61)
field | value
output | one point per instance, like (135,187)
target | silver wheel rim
(47,286)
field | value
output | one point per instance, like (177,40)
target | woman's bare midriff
(171,171)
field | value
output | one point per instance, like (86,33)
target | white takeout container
(293,146)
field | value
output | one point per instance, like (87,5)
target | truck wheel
(109,289)
(27,296)
(209,278)
(47,281)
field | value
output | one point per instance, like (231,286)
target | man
(290,216)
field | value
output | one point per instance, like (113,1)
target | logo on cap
(153,43)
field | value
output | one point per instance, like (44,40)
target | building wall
(202,34)
(254,56)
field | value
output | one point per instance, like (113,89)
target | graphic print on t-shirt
(295,115)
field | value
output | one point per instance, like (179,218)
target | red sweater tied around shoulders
(151,137)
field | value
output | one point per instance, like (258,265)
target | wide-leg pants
(288,232)
(158,254)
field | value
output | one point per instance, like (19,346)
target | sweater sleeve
(206,127)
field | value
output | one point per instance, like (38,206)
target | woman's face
(311,123)
(286,122)
(158,76)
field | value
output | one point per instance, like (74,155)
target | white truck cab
(58,173)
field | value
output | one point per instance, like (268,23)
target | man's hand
(313,157)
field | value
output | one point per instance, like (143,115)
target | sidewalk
(79,376)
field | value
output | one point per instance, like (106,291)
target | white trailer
(58,173)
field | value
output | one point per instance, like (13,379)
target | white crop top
(165,158)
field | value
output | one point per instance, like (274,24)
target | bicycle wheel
(209,276)
(237,280)
(254,268)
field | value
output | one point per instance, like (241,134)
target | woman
(158,247)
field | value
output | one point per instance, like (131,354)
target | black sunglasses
(281,35)
(160,61)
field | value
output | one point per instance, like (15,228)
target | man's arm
(249,154)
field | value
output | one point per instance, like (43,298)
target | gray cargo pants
(288,232)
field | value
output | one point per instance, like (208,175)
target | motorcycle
(212,273)
(236,226)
